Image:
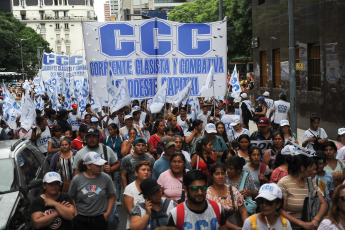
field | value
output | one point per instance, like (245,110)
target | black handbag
(235,217)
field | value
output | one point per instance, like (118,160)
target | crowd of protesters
(186,169)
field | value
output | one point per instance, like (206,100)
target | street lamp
(182,12)
(21,55)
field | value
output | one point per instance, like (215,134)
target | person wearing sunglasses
(197,212)
(336,214)
(270,201)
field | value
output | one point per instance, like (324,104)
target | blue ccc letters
(119,40)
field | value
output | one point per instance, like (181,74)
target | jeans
(114,219)
(117,184)
(85,223)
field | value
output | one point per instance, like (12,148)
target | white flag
(209,80)
(28,116)
(121,97)
(235,83)
(182,95)
(95,103)
(111,88)
(10,109)
(83,98)
(159,99)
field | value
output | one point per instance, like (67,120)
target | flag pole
(214,100)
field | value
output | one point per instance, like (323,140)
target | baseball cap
(266,94)
(263,121)
(270,192)
(341,131)
(74,106)
(135,108)
(93,158)
(93,120)
(50,177)
(237,100)
(139,140)
(235,121)
(149,186)
(289,150)
(167,141)
(92,131)
(284,123)
(129,116)
(210,128)
(244,95)
(261,98)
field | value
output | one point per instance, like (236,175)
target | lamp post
(21,55)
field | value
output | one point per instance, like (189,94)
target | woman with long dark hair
(221,131)
(127,145)
(203,158)
(230,200)
(172,179)
(281,168)
(194,132)
(335,220)
(243,147)
(158,134)
(333,164)
(270,154)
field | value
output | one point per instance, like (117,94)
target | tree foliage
(11,31)
(238,12)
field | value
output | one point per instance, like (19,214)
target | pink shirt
(340,145)
(172,185)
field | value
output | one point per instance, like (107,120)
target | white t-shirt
(238,112)
(183,124)
(232,134)
(326,224)
(124,131)
(132,191)
(205,220)
(72,120)
(42,141)
(263,226)
(281,109)
(269,103)
(320,132)
(341,154)
(203,117)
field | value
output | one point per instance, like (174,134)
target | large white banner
(150,52)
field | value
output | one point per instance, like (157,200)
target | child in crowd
(69,134)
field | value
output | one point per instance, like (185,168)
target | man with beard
(197,212)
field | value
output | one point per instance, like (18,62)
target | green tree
(238,12)
(11,31)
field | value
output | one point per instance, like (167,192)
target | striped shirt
(65,167)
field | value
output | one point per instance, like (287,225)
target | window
(260,2)
(314,73)
(276,69)
(58,37)
(43,25)
(66,26)
(298,82)
(57,26)
(56,2)
(56,14)
(68,49)
(42,14)
(67,37)
(58,49)
(29,164)
(263,68)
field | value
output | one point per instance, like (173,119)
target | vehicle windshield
(8,178)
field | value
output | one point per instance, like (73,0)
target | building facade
(132,9)
(319,53)
(58,21)
(107,14)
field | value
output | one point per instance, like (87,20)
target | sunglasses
(267,202)
(196,188)
(342,198)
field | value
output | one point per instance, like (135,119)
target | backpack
(312,203)
(253,220)
(156,216)
(159,149)
(180,213)
(316,145)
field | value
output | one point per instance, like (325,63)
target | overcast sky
(99,9)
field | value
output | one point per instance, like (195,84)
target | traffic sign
(299,66)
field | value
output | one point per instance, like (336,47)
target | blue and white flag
(121,98)
(158,100)
(28,113)
(235,83)
(111,87)
(10,109)
(83,98)
(26,85)
(95,103)
(39,103)
(182,95)
(209,80)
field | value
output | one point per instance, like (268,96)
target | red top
(77,144)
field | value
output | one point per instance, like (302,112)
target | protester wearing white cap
(128,125)
(236,131)
(218,143)
(341,138)
(93,193)
(269,102)
(52,208)
(270,201)
(286,130)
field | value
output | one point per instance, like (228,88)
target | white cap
(235,121)
(93,158)
(244,95)
(135,108)
(51,177)
(289,150)
(210,128)
(93,119)
(237,100)
(128,116)
(284,123)
(270,192)
(266,94)
(341,131)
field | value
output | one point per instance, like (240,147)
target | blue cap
(261,98)
(139,140)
